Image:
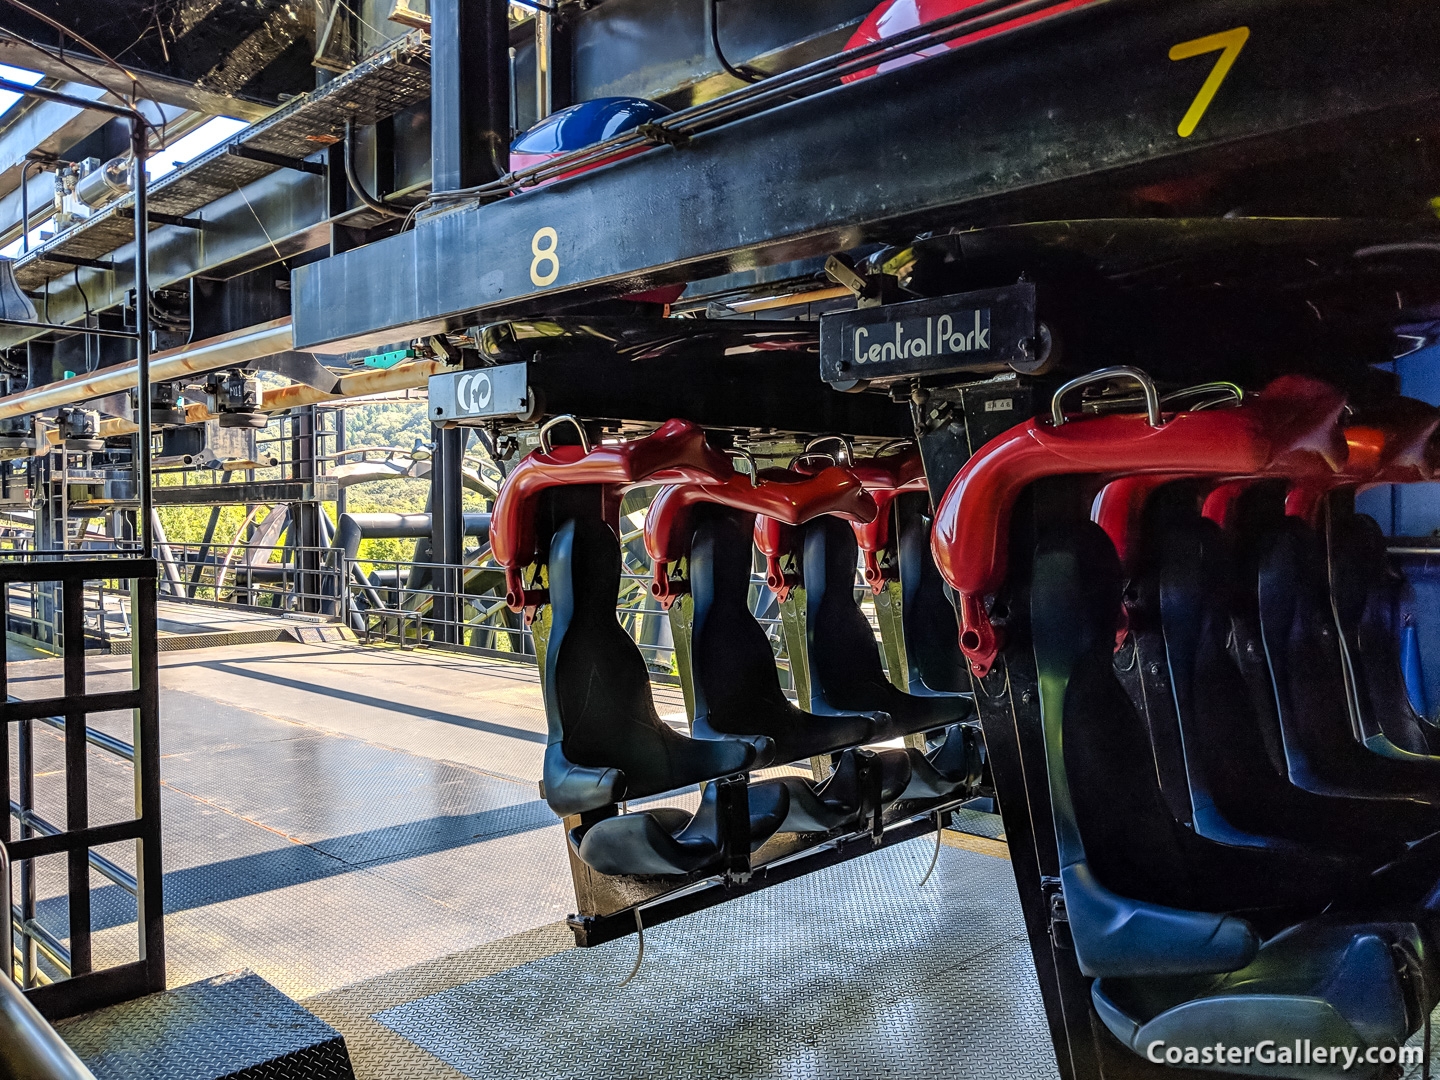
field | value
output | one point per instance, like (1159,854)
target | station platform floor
(361,826)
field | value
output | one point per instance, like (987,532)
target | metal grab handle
(845,456)
(1152,396)
(749,458)
(566,418)
(891,445)
(1208,393)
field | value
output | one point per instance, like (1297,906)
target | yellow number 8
(544,255)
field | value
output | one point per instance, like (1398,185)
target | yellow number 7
(1229,45)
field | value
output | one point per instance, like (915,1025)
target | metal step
(227,1028)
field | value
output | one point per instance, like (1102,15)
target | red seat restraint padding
(1288,429)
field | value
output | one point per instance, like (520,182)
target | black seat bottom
(668,842)
(862,781)
(1328,981)
(952,768)
(781,733)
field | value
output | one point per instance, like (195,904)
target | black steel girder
(1029,123)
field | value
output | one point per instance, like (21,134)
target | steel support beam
(447,529)
(305,535)
(323,489)
(274,218)
(469,92)
(1053,118)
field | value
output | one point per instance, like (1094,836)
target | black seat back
(1134,843)
(732,659)
(1137,900)
(1366,593)
(597,681)
(597,686)
(845,670)
(1130,839)
(932,633)
(1323,750)
(1142,664)
(1234,783)
(736,683)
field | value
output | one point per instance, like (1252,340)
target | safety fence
(405,602)
(56,965)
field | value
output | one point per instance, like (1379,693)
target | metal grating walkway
(394,79)
(853,973)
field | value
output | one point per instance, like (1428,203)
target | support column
(305,538)
(447,531)
(342,504)
(469,92)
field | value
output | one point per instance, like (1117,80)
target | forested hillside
(397,424)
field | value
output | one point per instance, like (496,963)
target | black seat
(1237,793)
(606,741)
(736,685)
(669,842)
(1156,915)
(952,769)
(932,633)
(863,782)
(1142,667)
(845,670)
(1302,647)
(1367,604)
(1143,851)
(935,665)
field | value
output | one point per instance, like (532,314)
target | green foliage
(187,524)
(388,423)
(397,424)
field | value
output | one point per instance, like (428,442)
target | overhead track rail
(793,181)
(226,350)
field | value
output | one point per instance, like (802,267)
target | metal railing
(383,600)
(29,1046)
(73,984)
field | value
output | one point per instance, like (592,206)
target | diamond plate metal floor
(361,828)
(193,1032)
(331,812)
(853,972)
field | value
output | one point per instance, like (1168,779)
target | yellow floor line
(981,845)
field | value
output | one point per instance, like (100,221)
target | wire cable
(136,86)
(935,856)
(743,72)
(640,955)
(55,24)
(85,297)
(818,75)
(353,179)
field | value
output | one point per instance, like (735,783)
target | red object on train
(886,478)
(788,498)
(895,16)
(674,452)
(1289,429)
